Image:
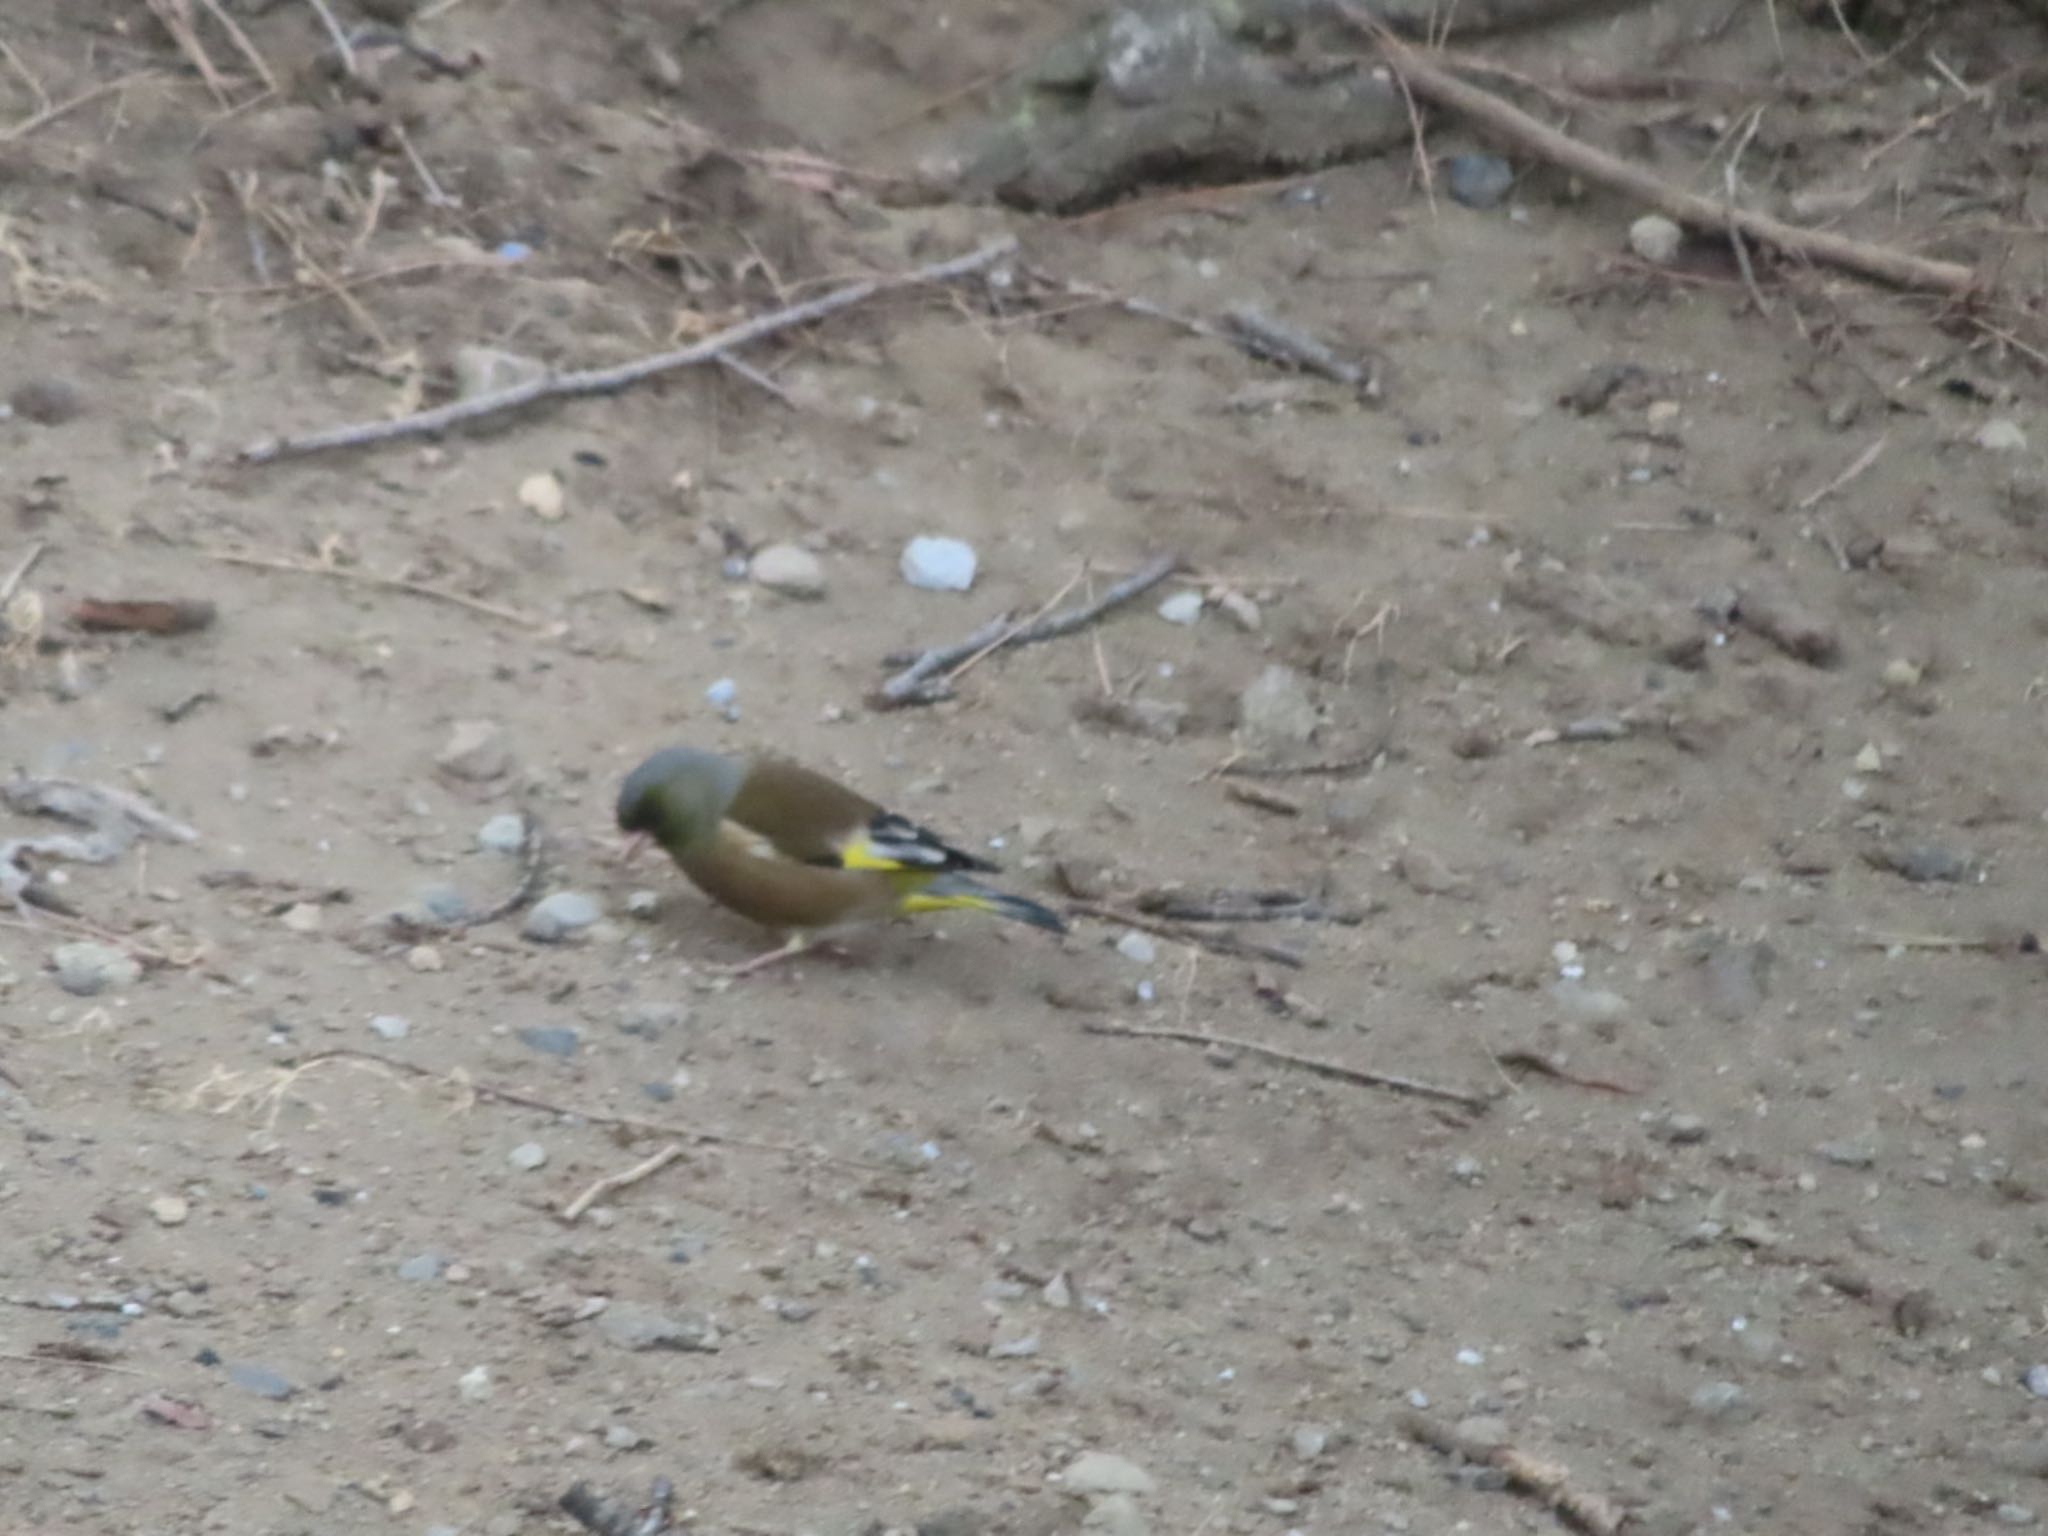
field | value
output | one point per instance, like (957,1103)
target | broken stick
(1542,1480)
(1331,1069)
(916,684)
(612,1183)
(604,381)
(1195,938)
(1883,264)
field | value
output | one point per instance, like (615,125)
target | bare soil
(1659,751)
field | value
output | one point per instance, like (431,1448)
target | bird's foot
(798,944)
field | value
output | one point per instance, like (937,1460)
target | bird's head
(679,796)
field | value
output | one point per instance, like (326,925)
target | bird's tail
(951,893)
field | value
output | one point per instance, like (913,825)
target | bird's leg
(795,945)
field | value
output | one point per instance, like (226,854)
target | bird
(794,851)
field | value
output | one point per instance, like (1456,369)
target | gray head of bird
(679,796)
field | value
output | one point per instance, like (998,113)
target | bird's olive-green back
(803,814)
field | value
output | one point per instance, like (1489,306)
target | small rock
(1720,1400)
(493,370)
(389,1026)
(1589,1005)
(475,1384)
(442,906)
(938,565)
(259,1379)
(421,1267)
(1182,608)
(47,400)
(543,496)
(1478,180)
(1484,1431)
(1310,1441)
(648,1020)
(87,969)
(618,1437)
(424,958)
(475,752)
(1736,979)
(560,916)
(789,569)
(1901,674)
(723,696)
(643,904)
(169,1210)
(1276,710)
(303,917)
(1158,719)
(557,1040)
(504,833)
(2015,1514)
(527,1156)
(1115,1514)
(1926,863)
(1682,1130)
(1242,611)
(1848,1154)
(1137,948)
(634,1325)
(1099,1472)
(1427,875)
(1656,239)
(2036,1380)
(2001,436)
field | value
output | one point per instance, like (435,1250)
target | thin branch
(342,45)
(915,684)
(1544,1481)
(1857,466)
(602,381)
(48,115)
(1196,938)
(1879,263)
(1331,1069)
(371,579)
(19,574)
(612,1183)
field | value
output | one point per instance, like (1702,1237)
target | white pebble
(1656,239)
(527,1156)
(475,1384)
(939,565)
(389,1026)
(1136,947)
(1182,608)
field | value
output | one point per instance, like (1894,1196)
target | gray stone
(1182,608)
(634,1325)
(259,1379)
(2036,1380)
(647,1020)
(1276,710)
(559,1040)
(618,1437)
(421,1267)
(1720,1400)
(1116,1514)
(475,752)
(1848,1154)
(939,565)
(527,1156)
(47,400)
(87,969)
(1656,239)
(389,1026)
(1737,979)
(505,833)
(561,916)
(1137,948)
(1478,180)
(1094,1472)
(789,569)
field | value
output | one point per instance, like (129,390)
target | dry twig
(612,1183)
(1331,1069)
(1542,1480)
(916,683)
(1879,263)
(603,381)
(1216,943)
(372,579)
(1857,466)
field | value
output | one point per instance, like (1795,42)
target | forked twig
(916,683)
(602,381)
(1331,1069)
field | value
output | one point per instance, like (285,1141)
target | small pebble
(475,1384)
(527,1156)
(643,904)
(1683,1130)
(1094,1472)
(169,1210)
(543,496)
(2001,436)
(561,916)
(475,752)
(303,917)
(1310,1441)
(1182,608)
(557,1040)
(424,958)
(723,696)
(2015,1514)
(259,1379)
(1848,1154)
(1242,611)
(1719,1400)
(939,565)
(389,1026)
(2036,1380)
(47,400)
(492,370)
(789,569)
(504,833)
(634,1325)
(618,1437)
(1656,239)
(1276,711)
(1479,180)
(87,969)
(421,1267)
(1136,947)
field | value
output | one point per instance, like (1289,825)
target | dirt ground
(1655,763)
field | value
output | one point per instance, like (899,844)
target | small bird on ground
(796,852)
